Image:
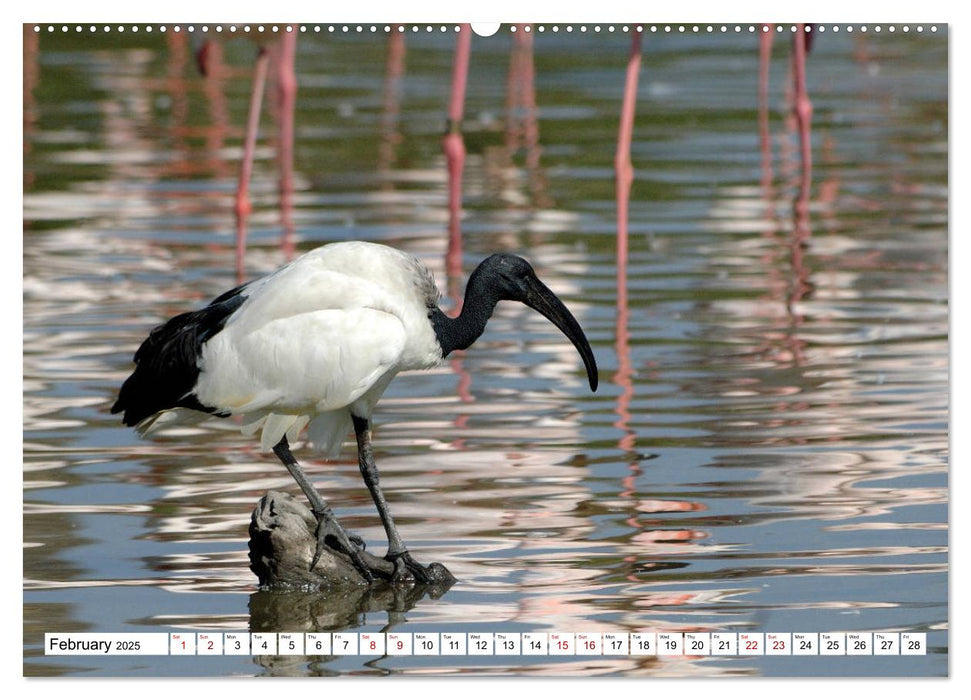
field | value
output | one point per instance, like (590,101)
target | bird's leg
(397,552)
(327,523)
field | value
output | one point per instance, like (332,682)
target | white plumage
(319,338)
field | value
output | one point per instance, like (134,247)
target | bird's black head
(508,277)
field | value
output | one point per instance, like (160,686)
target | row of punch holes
(485,30)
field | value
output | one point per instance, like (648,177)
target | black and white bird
(315,345)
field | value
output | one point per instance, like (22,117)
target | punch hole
(485,28)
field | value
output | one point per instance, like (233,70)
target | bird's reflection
(331,610)
(335,609)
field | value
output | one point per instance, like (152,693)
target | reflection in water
(323,611)
(453,145)
(391,109)
(31,44)
(770,451)
(278,57)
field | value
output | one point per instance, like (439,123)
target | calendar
(379,644)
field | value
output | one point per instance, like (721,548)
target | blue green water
(768,449)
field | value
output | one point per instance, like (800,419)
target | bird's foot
(405,568)
(352,545)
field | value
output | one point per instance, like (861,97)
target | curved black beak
(538,296)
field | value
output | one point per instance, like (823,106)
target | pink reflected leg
(454,147)
(765,139)
(287,98)
(803,109)
(622,160)
(243,205)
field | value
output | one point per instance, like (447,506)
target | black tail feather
(167,362)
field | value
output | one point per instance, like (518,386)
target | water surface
(767,451)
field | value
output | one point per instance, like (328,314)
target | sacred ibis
(315,345)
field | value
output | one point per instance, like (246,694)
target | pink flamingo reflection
(282,56)
(799,284)
(642,539)
(454,147)
(391,105)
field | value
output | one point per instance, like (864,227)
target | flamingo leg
(765,142)
(287,97)
(622,161)
(803,108)
(454,145)
(243,204)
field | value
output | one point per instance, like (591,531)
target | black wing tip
(129,417)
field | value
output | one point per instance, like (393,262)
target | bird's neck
(481,297)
